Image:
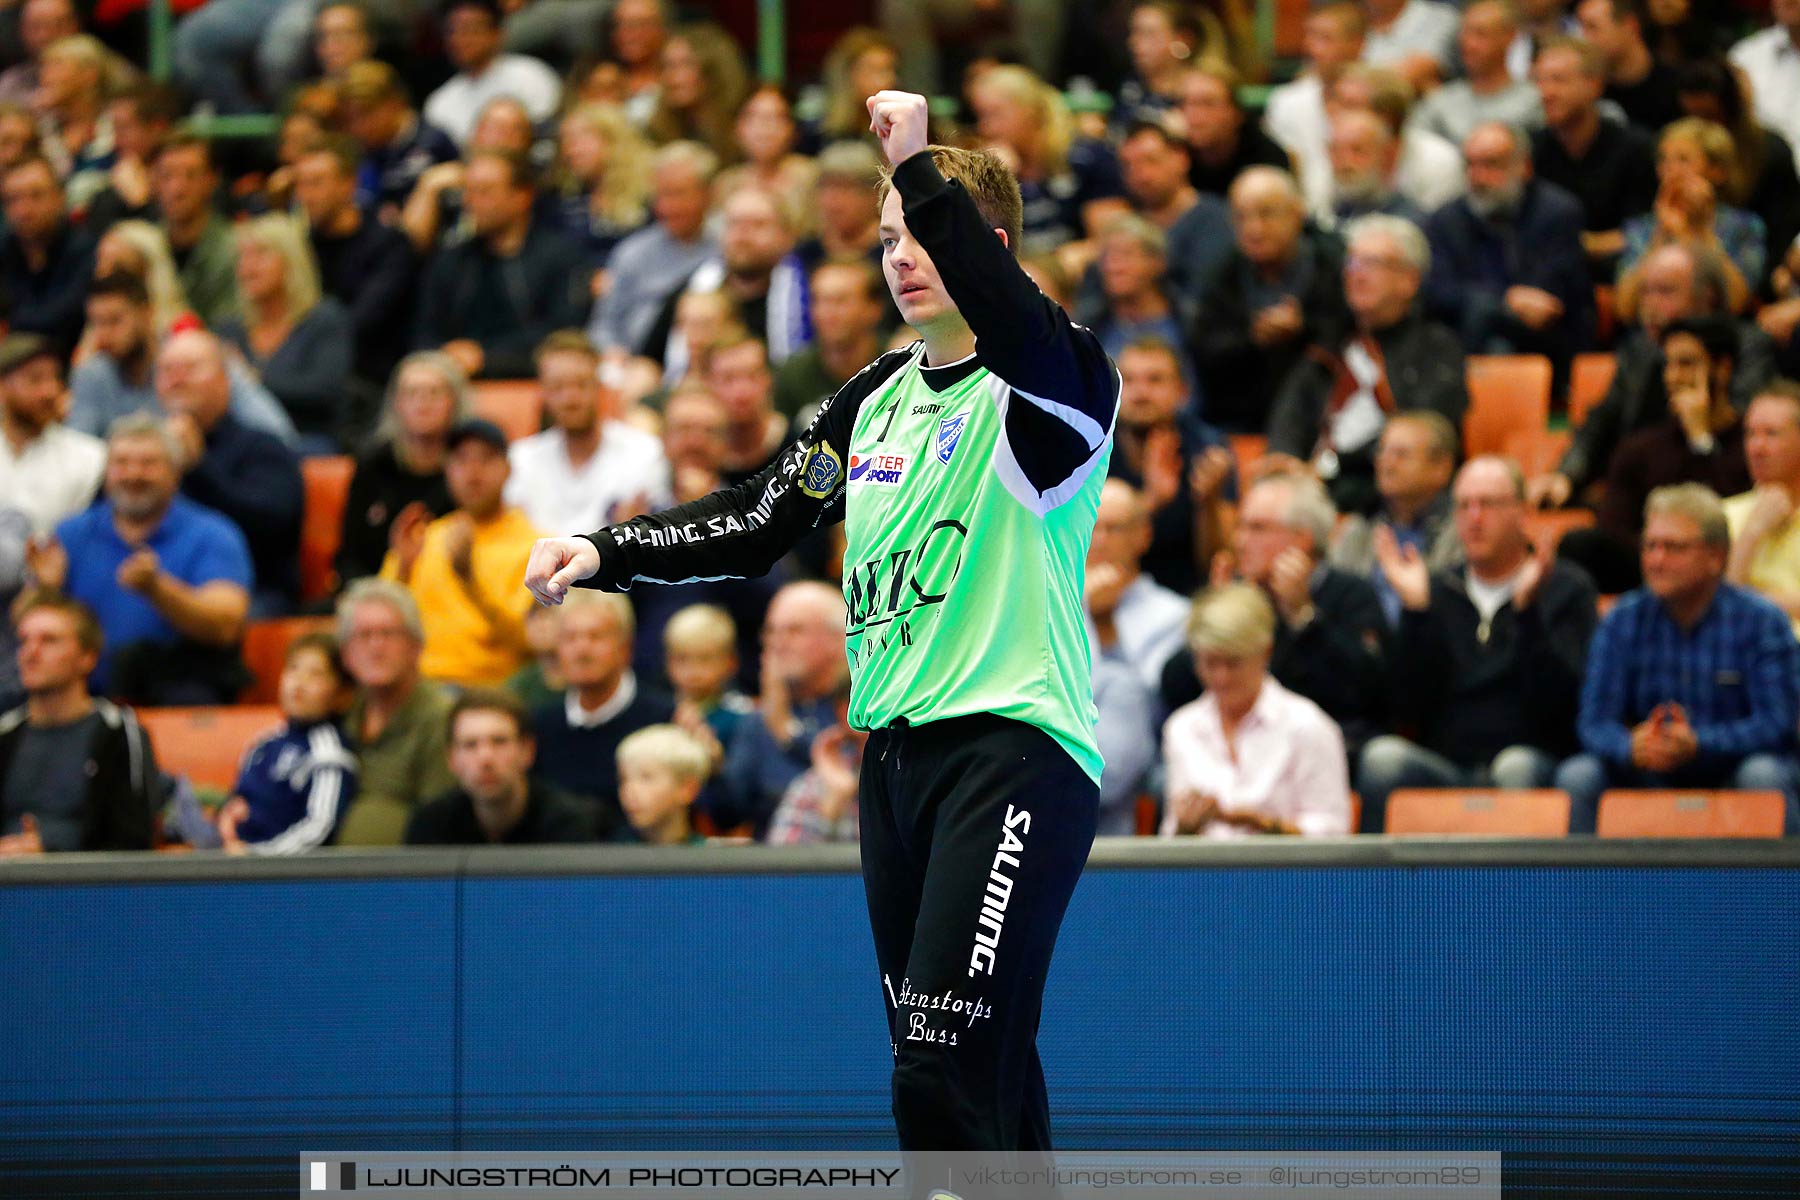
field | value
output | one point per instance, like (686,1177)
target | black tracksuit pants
(974,831)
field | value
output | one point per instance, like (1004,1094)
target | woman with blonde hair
(141,249)
(1696,162)
(860,63)
(296,339)
(1070,185)
(703,86)
(71,96)
(1249,756)
(400,476)
(603,168)
(766,134)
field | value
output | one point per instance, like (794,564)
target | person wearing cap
(47,470)
(464,567)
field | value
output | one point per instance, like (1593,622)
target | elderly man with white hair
(397,723)
(1330,634)
(1275,294)
(1248,757)
(1332,407)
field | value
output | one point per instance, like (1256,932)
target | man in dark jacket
(495,801)
(489,301)
(45,264)
(1607,165)
(1486,667)
(1679,283)
(76,773)
(1507,269)
(366,265)
(1329,634)
(1277,293)
(1332,406)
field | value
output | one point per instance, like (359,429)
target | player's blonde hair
(990,185)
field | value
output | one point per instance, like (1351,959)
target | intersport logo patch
(881,470)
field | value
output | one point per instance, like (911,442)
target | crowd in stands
(517,269)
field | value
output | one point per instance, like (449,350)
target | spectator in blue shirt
(168,579)
(1691,681)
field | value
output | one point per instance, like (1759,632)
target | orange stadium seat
(1626,813)
(515,405)
(265,646)
(1606,313)
(1507,392)
(1546,528)
(1589,377)
(1247,448)
(327,483)
(1537,450)
(206,744)
(1500,811)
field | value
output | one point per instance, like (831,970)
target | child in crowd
(297,781)
(661,770)
(700,658)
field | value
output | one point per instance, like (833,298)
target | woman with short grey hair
(402,472)
(1248,757)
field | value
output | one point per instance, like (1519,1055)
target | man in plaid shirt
(1691,681)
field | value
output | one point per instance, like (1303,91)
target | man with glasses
(1692,682)
(397,721)
(1487,660)
(1332,407)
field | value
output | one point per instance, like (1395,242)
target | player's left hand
(902,121)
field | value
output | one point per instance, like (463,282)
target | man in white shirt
(1488,90)
(472,44)
(1249,756)
(47,470)
(1772,61)
(1415,37)
(588,467)
(1295,113)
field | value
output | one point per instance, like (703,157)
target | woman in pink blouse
(1249,756)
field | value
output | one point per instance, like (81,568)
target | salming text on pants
(974,831)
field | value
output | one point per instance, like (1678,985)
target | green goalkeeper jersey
(968,493)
